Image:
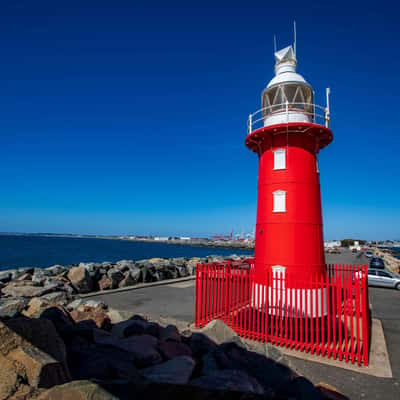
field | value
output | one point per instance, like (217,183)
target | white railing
(288,112)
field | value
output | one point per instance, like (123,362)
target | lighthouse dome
(288,97)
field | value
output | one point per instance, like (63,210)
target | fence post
(364,315)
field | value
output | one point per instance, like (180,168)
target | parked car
(368,254)
(377,262)
(383,278)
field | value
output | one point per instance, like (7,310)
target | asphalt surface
(176,301)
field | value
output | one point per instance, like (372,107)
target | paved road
(176,301)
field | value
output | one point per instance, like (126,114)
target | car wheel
(397,286)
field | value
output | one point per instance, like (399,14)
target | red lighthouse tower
(287,134)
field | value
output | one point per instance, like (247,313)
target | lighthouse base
(329,315)
(290,302)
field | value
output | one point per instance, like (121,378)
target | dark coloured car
(377,263)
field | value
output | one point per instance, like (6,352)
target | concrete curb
(139,286)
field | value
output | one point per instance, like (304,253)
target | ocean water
(41,251)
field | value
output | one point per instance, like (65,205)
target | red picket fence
(326,314)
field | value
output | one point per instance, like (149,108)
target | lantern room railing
(319,115)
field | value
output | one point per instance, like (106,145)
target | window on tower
(279,201)
(280,159)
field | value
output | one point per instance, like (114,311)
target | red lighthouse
(287,134)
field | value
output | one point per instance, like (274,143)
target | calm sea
(41,251)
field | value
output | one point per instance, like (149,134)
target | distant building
(355,246)
(331,244)
(184,238)
(161,238)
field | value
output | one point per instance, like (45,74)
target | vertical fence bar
(364,315)
(339,311)
(241,330)
(345,310)
(253,310)
(225,283)
(266,308)
(353,278)
(286,300)
(245,311)
(313,314)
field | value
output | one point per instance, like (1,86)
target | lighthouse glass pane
(280,159)
(279,201)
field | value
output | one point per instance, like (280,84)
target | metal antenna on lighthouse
(295,39)
(274,43)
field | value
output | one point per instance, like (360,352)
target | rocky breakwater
(85,351)
(30,289)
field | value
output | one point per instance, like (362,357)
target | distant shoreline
(192,242)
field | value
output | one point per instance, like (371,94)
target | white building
(331,244)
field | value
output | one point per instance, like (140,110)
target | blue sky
(129,117)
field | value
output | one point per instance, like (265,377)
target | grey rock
(127,280)
(74,304)
(170,332)
(129,327)
(5,276)
(39,276)
(80,279)
(271,375)
(115,276)
(82,390)
(102,362)
(105,283)
(55,298)
(124,265)
(91,268)
(176,371)
(56,269)
(11,307)
(209,364)
(201,344)
(218,332)
(25,277)
(95,304)
(142,347)
(170,349)
(235,380)
(26,291)
(135,273)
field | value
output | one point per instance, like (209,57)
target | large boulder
(8,378)
(218,332)
(236,380)
(15,289)
(77,390)
(11,307)
(201,344)
(5,276)
(142,347)
(170,332)
(96,314)
(176,371)
(105,283)
(127,280)
(171,349)
(40,369)
(80,279)
(61,319)
(37,352)
(115,276)
(102,363)
(271,375)
(56,269)
(40,333)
